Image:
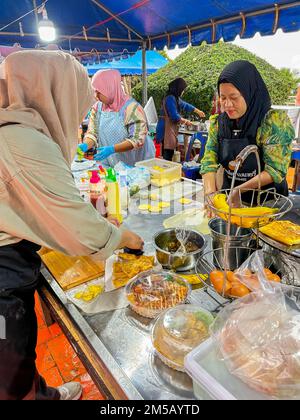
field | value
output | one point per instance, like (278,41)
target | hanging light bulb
(46,28)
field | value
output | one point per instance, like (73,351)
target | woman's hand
(82,148)
(234,200)
(207,210)
(104,152)
(200,113)
(210,187)
(186,122)
(131,240)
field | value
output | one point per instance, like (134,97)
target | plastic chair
(202,136)
(193,173)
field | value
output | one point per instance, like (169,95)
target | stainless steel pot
(173,261)
(240,239)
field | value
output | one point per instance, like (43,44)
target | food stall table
(116,346)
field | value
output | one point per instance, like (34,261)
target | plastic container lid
(152,292)
(178,331)
(212,379)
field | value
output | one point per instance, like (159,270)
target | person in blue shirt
(170,118)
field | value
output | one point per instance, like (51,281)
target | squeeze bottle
(113,195)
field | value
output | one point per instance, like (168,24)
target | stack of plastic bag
(259,335)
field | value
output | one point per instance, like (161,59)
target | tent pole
(144,76)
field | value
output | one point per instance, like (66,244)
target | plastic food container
(211,378)
(162,171)
(152,292)
(178,331)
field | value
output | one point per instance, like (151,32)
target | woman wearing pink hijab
(118,125)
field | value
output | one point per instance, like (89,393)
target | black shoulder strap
(8,123)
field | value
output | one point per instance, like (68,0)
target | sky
(280,50)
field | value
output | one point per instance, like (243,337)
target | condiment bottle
(113,196)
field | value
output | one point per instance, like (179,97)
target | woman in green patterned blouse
(247,119)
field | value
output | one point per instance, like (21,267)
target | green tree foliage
(164,54)
(201,67)
(290,77)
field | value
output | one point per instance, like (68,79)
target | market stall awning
(132,65)
(110,25)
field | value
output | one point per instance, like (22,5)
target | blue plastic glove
(82,148)
(104,152)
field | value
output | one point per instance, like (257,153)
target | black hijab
(246,78)
(176,87)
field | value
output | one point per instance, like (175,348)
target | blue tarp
(132,65)
(128,23)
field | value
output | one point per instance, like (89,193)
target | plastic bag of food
(193,218)
(258,271)
(259,340)
(137,178)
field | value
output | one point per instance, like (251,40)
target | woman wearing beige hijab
(43,98)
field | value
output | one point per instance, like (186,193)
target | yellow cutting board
(70,272)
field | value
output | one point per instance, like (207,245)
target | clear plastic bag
(137,178)
(259,336)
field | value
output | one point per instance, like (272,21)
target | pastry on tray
(128,266)
(283,231)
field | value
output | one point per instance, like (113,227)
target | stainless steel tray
(292,251)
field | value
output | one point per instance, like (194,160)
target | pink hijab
(108,83)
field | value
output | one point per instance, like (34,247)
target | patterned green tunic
(274,138)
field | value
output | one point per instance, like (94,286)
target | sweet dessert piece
(283,231)
(234,287)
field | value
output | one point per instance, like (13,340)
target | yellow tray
(70,272)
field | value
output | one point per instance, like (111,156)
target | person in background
(247,119)
(216,107)
(297,102)
(170,118)
(118,125)
(43,98)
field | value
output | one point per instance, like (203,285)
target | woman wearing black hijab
(247,119)
(170,118)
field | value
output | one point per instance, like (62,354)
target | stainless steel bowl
(239,240)
(178,262)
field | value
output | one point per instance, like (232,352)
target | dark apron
(228,150)
(170,141)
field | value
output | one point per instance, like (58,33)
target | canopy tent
(109,27)
(127,24)
(132,65)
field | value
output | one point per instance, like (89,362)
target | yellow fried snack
(90,293)
(164,204)
(125,269)
(127,257)
(283,231)
(239,215)
(158,168)
(185,200)
(154,209)
(192,279)
(154,197)
(144,207)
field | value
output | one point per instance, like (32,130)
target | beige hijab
(49,91)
